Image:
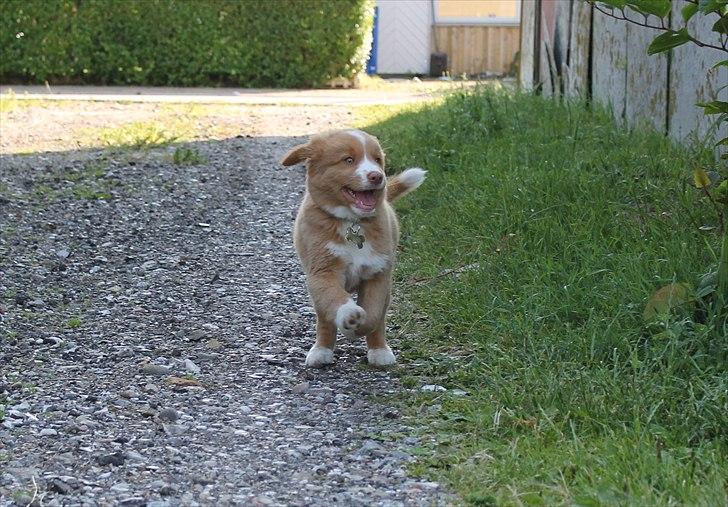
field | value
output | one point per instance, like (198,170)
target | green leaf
(714,107)
(721,26)
(615,4)
(708,6)
(701,178)
(668,40)
(721,193)
(723,63)
(689,11)
(707,285)
(666,299)
(659,8)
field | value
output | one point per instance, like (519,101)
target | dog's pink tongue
(365,200)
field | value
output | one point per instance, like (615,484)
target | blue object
(372,62)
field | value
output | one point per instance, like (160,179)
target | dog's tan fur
(336,267)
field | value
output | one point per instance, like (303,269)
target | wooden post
(528,44)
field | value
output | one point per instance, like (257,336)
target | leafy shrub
(284,43)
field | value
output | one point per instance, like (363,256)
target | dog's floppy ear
(297,155)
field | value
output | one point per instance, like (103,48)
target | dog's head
(345,172)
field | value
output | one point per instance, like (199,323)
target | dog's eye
(349,160)
(378,160)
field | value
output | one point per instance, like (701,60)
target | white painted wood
(609,63)
(528,38)
(576,75)
(404,36)
(691,81)
(646,90)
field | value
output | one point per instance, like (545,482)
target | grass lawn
(527,258)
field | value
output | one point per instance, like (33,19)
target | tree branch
(663,28)
(625,18)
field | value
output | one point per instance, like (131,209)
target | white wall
(404,36)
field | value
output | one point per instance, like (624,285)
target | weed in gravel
(21,496)
(187,156)
(74,322)
(142,135)
(93,170)
(43,191)
(87,192)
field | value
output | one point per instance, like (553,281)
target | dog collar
(355,235)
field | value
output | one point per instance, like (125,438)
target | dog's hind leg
(334,309)
(379,353)
(322,352)
(374,296)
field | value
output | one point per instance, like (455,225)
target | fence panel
(609,63)
(646,90)
(606,60)
(692,81)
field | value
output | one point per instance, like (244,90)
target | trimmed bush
(281,43)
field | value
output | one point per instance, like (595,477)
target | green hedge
(282,43)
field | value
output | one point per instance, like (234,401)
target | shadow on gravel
(154,326)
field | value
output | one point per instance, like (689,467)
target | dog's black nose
(375,177)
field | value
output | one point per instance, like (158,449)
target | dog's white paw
(319,356)
(381,357)
(349,317)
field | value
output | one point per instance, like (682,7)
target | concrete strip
(354,97)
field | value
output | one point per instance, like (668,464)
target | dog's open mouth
(365,200)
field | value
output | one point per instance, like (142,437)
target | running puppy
(346,235)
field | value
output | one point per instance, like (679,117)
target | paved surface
(154,324)
(389,92)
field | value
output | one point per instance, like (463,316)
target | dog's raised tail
(404,182)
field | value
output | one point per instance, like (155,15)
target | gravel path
(154,327)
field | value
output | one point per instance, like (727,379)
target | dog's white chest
(361,263)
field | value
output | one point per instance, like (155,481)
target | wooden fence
(476,49)
(569,48)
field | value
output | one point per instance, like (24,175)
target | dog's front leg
(334,309)
(374,296)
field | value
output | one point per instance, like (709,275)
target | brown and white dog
(346,235)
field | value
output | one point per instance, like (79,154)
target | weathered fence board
(576,73)
(528,43)
(692,81)
(606,60)
(646,87)
(555,16)
(609,63)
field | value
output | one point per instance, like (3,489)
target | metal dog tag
(354,235)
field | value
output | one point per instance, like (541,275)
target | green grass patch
(527,258)
(74,323)
(187,156)
(87,182)
(143,135)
